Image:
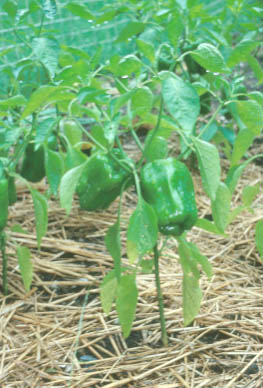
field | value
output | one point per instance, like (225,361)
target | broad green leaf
(256,67)
(128,65)
(249,194)
(175,28)
(207,225)
(118,102)
(209,164)
(156,148)
(147,49)
(71,130)
(74,157)
(192,297)
(243,141)
(54,166)
(46,51)
(25,265)
(126,302)
(209,57)
(256,96)
(50,8)
(106,134)
(241,52)
(41,214)
(37,99)
(221,206)
(10,7)
(44,129)
(142,231)
(12,102)
(182,101)
(251,113)
(108,291)
(132,28)
(80,10)
(189,265)
(113,244)
(68,186)
(259,238)
(201,259)
(142,101)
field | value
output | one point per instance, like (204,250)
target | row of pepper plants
(61,120)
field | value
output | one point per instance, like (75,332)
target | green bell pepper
(102,180)
(168,187)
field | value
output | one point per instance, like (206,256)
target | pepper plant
(66,116)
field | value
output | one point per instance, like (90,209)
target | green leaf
(209,57)
(68,185)
(37,99)
(142,231)
(46,51)
(249,194)
(71,130)
(113,244)
(108,291)
(131,29)
(54,166)
(156,148)
(128,65)
(44,130)
(259,238)
(256,67)
(243,141)
(221,206)
(241,52)
(209,164)
(201,259)
(126,302)
(147,49)
(25,265)
(251,113)
(117,102)
(41,214)
(16,228)
(192,297)
(182,101)
(12,102)
(80,10)
(10,7)
(207,225)
(175,28)
(142,101)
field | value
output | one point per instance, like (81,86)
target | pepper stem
(4,262)
(160,296)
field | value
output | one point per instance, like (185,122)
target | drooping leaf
(259,238)
(12,102)
(127,295)
(207,225)
(80,10)
(147,49)
(175,28)
(25,265)
(142,101)
(182,101)
(108,291)
(192,297)
(113,244)
(54,166)
(209,164)
(68,186)
(243,141)
(249,194)
(41,214)
(46,50)
(142,231)
(221,206)
(241,51)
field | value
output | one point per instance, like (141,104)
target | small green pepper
(168,187)
(101,181)
(33,165)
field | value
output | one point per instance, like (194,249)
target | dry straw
(46,333)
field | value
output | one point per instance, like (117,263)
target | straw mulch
(58,336)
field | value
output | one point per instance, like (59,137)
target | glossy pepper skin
(4,200)
(101,181)
(168,187)
(33,165)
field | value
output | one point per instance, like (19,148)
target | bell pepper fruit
(33,165)
(101,181)
(167,186)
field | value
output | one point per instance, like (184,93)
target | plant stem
(160,296)
(4,261)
